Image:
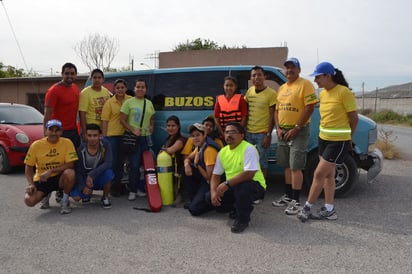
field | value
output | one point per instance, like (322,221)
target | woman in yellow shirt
(113,130)
(338,121)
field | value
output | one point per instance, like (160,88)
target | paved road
(372,235)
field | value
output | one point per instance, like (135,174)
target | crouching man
(93,169)
(54,157)
(245,183)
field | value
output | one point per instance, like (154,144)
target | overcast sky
(369,40)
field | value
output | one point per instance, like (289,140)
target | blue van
(190,94)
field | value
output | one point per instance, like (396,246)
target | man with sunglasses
(245,183)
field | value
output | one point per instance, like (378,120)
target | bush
(391,117)
(386,144)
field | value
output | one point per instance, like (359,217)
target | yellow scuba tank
(165,171)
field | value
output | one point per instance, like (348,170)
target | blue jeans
(135,161)
(117,156)
(257,140)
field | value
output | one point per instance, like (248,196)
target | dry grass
(386,144)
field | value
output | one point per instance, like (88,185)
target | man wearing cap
(62,103)
(54,157)
(296,102)
(245,183)
(261,101)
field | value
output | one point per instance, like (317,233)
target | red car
(20,125)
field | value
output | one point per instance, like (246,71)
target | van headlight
(373,138)
(22,138)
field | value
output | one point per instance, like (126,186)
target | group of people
(223,164)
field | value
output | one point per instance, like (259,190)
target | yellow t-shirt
(45,155)
(292,99)
(188,147)
(334,120)
(259,107)
(92,102)
(111,114)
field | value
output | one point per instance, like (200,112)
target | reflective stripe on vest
(229,110)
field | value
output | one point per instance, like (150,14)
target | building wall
(30,91)
(399,105)
(274,56)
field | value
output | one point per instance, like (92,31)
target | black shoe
(233,214)
(238,226)
(186,205)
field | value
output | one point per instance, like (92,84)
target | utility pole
(376,97)
(363,97)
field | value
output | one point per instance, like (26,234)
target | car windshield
(20,115)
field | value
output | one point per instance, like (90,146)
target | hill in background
(396,91)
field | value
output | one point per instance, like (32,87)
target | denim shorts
(98,184)
(257,140)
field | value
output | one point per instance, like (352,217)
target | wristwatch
(297,127)
(226,183)
(268,134)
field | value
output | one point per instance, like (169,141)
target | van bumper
(376,157)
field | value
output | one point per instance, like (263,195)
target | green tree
(10,71)
(201,44)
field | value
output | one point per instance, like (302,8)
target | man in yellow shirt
(54,157)
(261,101)
(296,102)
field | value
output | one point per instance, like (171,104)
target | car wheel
(346,175)
(4,161)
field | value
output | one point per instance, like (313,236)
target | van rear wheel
(346,175)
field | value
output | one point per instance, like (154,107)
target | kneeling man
(245,183)
(54,157)
(94,167)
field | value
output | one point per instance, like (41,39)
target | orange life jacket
(229,110)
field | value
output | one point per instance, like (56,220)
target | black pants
(241,196)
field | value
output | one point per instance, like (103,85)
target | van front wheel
(346,174)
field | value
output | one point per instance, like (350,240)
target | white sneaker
(132,196)
(141,193)
(65,207)
(44,203)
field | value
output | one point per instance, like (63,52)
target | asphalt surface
(372,235)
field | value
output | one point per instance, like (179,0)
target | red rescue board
(152,187)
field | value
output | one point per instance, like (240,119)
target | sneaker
(65,207)
(106,203)
(293,208)
(132,196)
(304,214)
(323,214)
(258,201)
(141,193)
(58,196)
(86,201)
(283,201)
(238,226)
(44,203)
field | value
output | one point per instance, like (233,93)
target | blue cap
(294,61)
(324,68)
(54,123)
